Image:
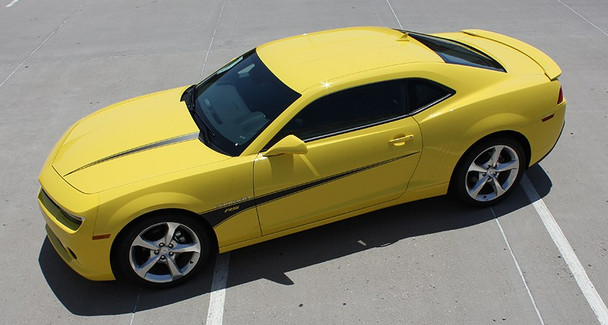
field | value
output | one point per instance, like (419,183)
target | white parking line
(12,3)
(217,23)
(215,314)
(217,297)
(394,14)
(135,307)
(560,240)
(521,274)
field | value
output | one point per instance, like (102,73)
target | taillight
(560,97)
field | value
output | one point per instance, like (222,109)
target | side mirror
(290,145)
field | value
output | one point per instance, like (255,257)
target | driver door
(361,151)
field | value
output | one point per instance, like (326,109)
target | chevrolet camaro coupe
(294,134)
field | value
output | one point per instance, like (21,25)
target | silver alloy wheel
(164,252)
(492,173)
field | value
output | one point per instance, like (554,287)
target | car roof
(309,59)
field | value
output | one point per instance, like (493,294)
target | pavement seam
(42,43)
(569,256)
(583,17)
(521,274)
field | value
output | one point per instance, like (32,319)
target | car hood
(132,140)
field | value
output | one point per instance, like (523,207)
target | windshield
(234,105)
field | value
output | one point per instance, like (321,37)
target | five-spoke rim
(164,252)
(492,173)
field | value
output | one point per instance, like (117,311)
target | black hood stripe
(217,216)
(153,145)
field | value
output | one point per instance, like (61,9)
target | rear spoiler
(551,68)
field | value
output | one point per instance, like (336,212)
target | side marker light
(545,119)
(104,236)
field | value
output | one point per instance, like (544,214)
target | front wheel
(163,250)
(489,171)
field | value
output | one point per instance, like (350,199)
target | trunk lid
(549,67)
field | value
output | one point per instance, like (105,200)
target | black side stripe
(182,138)
(217,216)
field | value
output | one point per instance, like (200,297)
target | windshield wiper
(188,97)
(206,129)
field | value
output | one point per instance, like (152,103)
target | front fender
(117,213)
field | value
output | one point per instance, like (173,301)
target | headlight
(67,219)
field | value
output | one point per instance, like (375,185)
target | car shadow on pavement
(272,260)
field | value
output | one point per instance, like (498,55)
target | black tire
(489,171)
(162,250)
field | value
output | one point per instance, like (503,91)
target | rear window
(457,53)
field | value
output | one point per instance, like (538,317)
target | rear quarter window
(422,93)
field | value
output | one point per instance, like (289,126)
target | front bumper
(74,242)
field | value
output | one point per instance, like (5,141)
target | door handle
(401,140)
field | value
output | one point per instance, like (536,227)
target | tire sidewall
(126,272)
(458,186)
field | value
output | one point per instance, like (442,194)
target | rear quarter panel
(546,117)
(485,102)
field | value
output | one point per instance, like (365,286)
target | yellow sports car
(294,134)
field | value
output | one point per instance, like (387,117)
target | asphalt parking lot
(428,262)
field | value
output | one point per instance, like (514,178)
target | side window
(348,109)
(422,93)
(363,106)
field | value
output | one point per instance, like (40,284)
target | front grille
(64,217)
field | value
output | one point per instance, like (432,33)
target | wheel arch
(193,216)
(500,134)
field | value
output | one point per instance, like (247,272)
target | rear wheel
(489,171)
(163,250)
